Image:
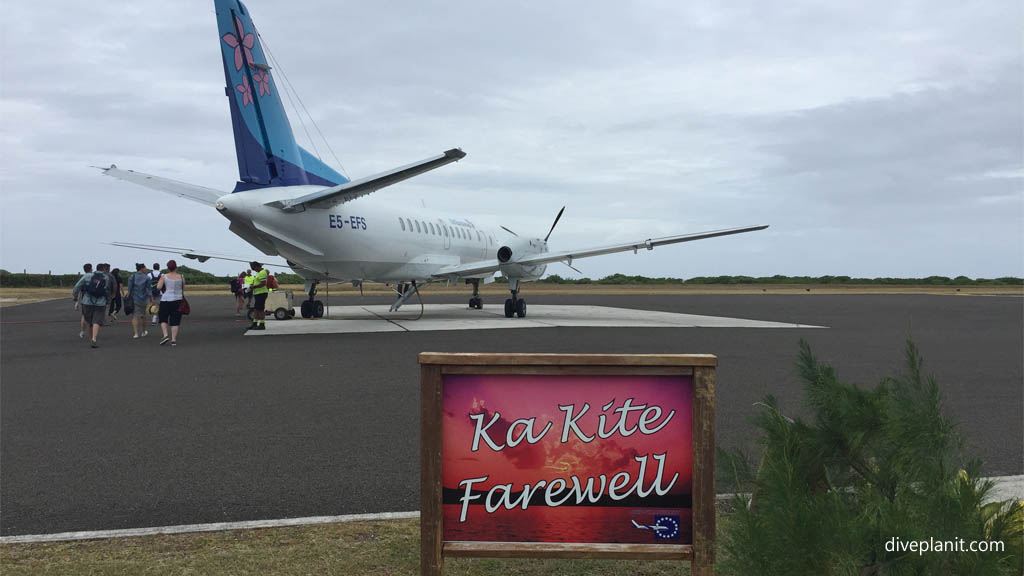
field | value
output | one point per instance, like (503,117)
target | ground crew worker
(259,292)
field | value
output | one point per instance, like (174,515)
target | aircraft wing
(192,192)
(342,193)
(200,255)
(488,266)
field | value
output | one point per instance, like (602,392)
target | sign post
(567,456)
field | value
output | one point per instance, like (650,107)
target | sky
(876,138)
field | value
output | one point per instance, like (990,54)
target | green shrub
(871,465)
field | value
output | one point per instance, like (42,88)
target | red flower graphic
(248,40)
(262,79)
(246,91)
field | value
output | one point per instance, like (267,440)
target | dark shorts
(169,312)
(260,301)
(94,314)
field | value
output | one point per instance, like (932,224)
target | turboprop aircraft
(289,203)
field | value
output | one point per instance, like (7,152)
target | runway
(226,428)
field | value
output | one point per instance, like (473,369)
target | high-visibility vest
(261,277)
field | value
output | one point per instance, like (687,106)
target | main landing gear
(476,302)
(312,308)
(514,305)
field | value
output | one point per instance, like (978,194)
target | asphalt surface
(227,428)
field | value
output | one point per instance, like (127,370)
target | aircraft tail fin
(264,143)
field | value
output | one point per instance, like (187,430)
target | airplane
(654,527)
(289,203)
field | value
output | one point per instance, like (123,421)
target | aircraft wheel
(318,309)
(509,308)
(281,314)
(291,312)
(306,310)
(476,303)
(521,308)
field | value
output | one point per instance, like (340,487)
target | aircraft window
(424,227)
(402,223)
(418,226)
(445,230)
(431,227)
(463,233)
(409,223)
(478,238)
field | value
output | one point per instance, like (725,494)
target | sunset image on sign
(590,459)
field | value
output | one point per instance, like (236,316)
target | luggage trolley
(279,305)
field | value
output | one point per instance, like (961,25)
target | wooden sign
(567,456)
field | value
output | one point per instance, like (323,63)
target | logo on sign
(663,528)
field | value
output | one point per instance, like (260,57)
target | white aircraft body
(288,203)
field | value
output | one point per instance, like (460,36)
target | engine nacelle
(504,254)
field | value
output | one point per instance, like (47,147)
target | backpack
(97,286)
(235,285)
(272,282)
(154,282)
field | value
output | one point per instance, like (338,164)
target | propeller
(509,231)
(555,223)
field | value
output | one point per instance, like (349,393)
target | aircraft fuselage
(368,238)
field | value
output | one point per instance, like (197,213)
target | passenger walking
(93,291)
(238,289)
(139,292)
(154,279)
(115,302)
(87,269)
(172,285)
(259,293)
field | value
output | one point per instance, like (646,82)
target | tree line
(192,276)
(780,279)
(195,277)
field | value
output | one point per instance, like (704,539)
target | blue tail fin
(266,148)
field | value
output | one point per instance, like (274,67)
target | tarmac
(226,428)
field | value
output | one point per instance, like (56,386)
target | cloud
(878,139)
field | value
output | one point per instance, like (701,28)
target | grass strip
(389,547)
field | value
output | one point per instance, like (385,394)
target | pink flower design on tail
(248,41)
(262,79)
(246,91)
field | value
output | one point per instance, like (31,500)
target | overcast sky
(876,138)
